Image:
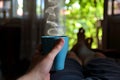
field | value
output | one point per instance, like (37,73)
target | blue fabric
(96,69)
(102,69)
(72,71)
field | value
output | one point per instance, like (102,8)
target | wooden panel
(113,39)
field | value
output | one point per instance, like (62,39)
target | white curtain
(29,29)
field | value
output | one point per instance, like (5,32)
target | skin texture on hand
(42,69)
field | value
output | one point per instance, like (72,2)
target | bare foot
(72,55)
(82,50)
(80,40)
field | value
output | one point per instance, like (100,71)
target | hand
(42,69)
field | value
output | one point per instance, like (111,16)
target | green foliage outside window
(83,13)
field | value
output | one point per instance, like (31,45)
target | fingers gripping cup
(48,42)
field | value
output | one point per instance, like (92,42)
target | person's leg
(82,47)
(72,70)
(102,68)
(98,67)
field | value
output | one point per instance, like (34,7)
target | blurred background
(22,22)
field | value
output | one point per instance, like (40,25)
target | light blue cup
(48,43)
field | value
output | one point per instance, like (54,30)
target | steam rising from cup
(53,27)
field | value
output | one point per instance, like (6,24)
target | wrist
(25,77)
(31,76)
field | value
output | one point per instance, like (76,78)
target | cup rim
(52,36)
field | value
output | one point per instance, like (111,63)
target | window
(1,4)
(113,7)
(1,7)
(14,8)
(17,8)
(117,7)
(5,8)
(20,8)
(40,8)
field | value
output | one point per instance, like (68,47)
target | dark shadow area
(10,41)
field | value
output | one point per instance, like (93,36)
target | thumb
(52,54)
